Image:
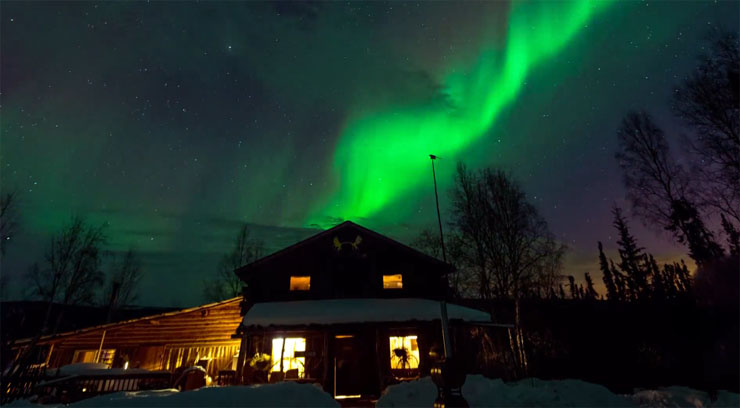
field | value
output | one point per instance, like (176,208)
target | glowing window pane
(393,281)
(404,352)
(300,282)
(293,346)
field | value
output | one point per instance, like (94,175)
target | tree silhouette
(124,281)
(8,218)
(71,272)
(657,187)
(708,102)
(226,284)
(590,292)
(733,236)
(506,241)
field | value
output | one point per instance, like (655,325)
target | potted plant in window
(260,363)
(405,363)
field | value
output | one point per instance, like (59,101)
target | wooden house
(348,308)
(164,341)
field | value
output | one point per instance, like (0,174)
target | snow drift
(480,391)
(284,394)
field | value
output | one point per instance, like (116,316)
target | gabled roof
(326,233)
(233,302)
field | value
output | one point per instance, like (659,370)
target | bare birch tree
(71,273)
(225,284)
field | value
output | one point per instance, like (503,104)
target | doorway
(355,366)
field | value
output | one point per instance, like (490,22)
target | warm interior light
(300,283)
(347,396)
(125,365)
(293,355)
(344,336)
(393,281)
(404,352)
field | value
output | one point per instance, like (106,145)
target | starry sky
(176,122)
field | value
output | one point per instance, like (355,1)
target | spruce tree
(733,236)
(630,255)
(573,288)
(688,227)
(607,277)
(590,292)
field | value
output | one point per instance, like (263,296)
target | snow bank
(484,392)
(81,368)
(670,397)
(480,391)
(334,311)
(93,369)
(284,394)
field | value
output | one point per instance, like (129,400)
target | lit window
(293,355)
(90,356)
(300,282)
(404,352)
(393,281)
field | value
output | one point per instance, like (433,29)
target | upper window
(300,283)
(393,281)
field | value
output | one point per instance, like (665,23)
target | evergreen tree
(733,236)
(630,255)
(620,282)
(590,292)
(688,227)
(611,288)
(573,288)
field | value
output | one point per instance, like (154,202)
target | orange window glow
(300,282)
(393,281)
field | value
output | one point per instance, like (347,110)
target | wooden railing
(77,387)
(20,384)
(34,382)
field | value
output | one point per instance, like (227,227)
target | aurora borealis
(176,122)
(474,95)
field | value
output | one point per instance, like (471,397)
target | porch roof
(338,311)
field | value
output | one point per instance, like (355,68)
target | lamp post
(447,374)
(439,216)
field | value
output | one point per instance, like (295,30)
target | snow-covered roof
(335,311)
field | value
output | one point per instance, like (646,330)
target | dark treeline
(622,345)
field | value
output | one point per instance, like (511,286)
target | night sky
(176,122)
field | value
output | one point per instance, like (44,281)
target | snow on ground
(669,397)
(484,392)
(284,394)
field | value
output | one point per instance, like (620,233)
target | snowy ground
(285,394)
(484,392)
(478,391)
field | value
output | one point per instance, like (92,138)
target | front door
(355,367)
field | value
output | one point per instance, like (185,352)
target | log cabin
(164,341)
(347,308)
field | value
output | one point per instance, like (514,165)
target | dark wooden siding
(350,270)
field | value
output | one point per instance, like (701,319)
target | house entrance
(355,369)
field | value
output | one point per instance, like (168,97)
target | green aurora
(383,157)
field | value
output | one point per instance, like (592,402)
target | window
(300,283)
(393,281)
(88,356)
(293,352)
(404,352)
